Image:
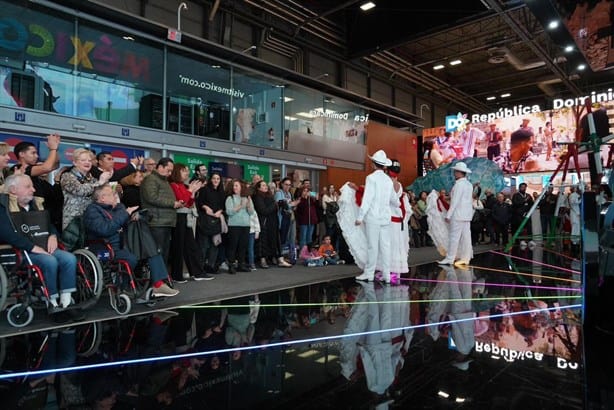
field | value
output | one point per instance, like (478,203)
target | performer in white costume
(375,213)
(438,228)
(399,219)
(459,218)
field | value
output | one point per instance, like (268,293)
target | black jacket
(8,234)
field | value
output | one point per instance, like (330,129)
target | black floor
(503,333)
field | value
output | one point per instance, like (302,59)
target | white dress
(400,236)
(439,228)
(354,235)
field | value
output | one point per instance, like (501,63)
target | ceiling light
(129,38)
(438,67)
(505,95)
(455,62)
(569,49)
(290,118)
(492,97)
(581,67)
(288,99)
(443,394)
(553,24)
(216,66)
(367,6)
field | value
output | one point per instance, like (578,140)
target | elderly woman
(4,159)
(78,184)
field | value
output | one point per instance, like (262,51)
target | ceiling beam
(536,48)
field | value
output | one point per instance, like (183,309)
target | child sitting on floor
(312,258)
(327,251)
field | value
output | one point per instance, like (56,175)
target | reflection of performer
(381,352)
(452,296)
(244,120)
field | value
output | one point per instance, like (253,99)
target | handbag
(73,236)
(191,218)
(140,241)
(209,225)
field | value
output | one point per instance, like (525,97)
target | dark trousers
(208,249)
(162,236)
(185,248)
(236,248)
(501,232)
(493,152)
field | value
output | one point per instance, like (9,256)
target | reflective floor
(503,333)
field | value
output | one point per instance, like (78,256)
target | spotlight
(553,24)
(367,6)
(505,95)
(569,48)
(492,97)
(455,62)
(438,67)
(581,67)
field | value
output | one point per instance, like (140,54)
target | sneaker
(164,290)
(180,281)
(203,276)
(186,275)
(252,267)
(340,262)
(224,266)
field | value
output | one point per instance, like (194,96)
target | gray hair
(98,190)
(14,180)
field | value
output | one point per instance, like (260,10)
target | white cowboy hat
(380,158)
(461,167)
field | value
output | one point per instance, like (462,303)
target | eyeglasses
(287,184)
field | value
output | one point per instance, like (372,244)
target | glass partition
(59,63)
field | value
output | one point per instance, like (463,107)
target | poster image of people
(535,142)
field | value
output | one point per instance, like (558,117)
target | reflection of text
(510,355)
(209,86)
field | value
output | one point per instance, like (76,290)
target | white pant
(378,248)
(460,239)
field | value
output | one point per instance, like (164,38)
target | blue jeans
(59,268)
(157,267)
(251,240)
(305,235)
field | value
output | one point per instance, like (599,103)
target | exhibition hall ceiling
(479,55)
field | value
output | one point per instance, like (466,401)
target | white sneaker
(532,244)
(365,277)
(164,290)
(445,262)
(224,266)
(523,244)
(65,299)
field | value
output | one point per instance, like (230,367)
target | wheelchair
(122,284)
(23,288)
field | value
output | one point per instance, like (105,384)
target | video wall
(534,141)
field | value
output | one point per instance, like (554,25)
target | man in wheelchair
(105,218)
(26,226)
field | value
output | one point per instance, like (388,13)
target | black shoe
(243,268)
(231,269)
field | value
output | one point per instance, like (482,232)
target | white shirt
(378,199)
(469,139)
(461,201)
